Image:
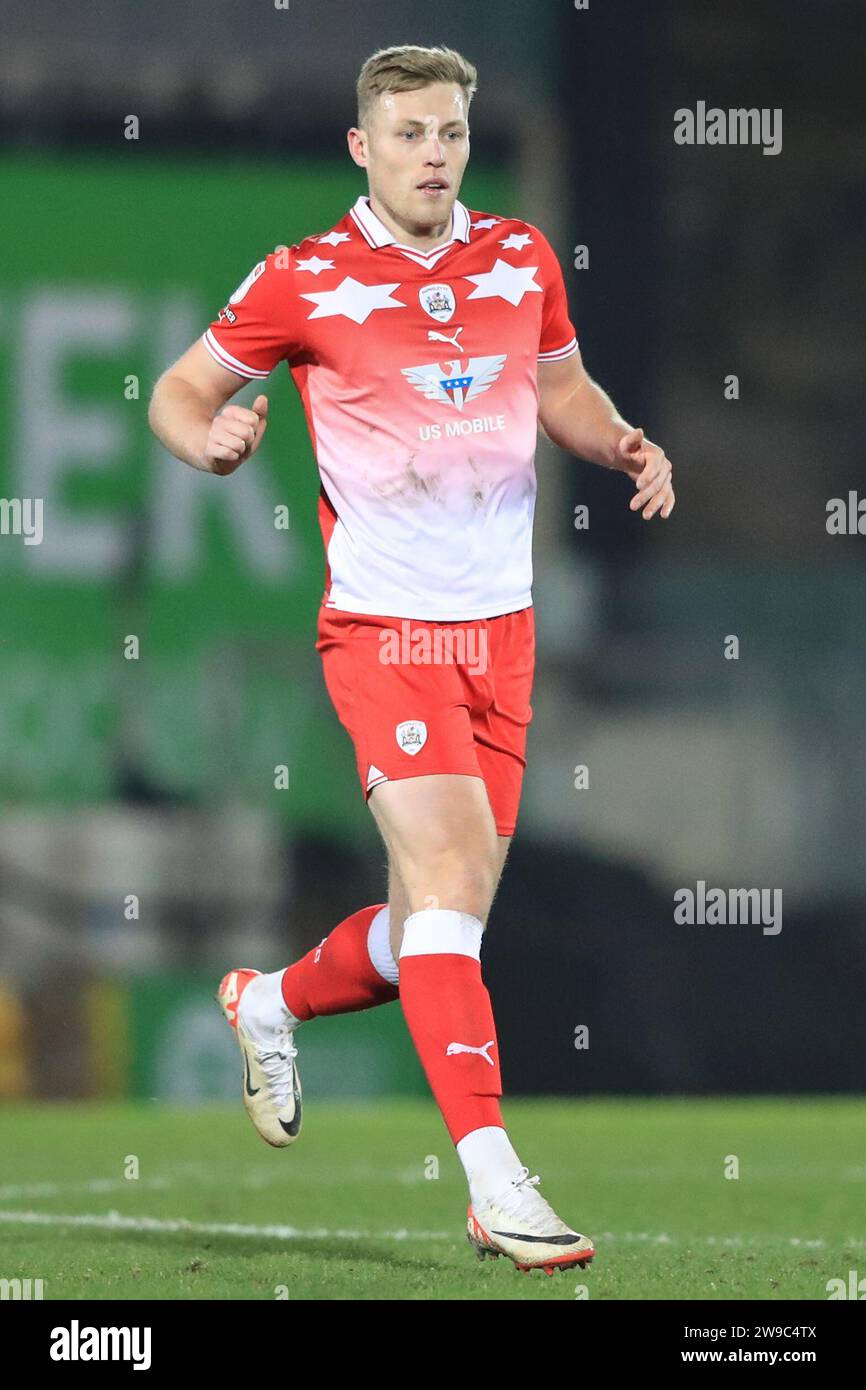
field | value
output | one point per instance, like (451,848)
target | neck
(423,239)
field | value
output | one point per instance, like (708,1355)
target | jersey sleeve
(558,337)
(259,326)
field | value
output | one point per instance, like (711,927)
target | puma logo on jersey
(435,337)
(454,1048)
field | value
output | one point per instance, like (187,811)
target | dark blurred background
(144,848)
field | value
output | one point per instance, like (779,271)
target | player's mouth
(433,188)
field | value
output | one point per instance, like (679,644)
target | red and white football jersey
(417,372)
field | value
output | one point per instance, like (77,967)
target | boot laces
(522,1201)
(277,1065)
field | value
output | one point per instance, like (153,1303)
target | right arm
(183,414)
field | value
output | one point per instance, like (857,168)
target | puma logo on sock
(453,1048)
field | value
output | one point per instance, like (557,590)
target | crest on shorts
(438,301)
(411,735)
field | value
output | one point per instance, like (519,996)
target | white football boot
(272,1086)
(519,1223)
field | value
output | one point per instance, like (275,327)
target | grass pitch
(355,1210)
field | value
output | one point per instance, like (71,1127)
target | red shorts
(420,697)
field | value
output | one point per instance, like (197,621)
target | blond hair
(406,68)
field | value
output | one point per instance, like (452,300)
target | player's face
(417,149)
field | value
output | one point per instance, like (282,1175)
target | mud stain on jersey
(409,485)
(479,496)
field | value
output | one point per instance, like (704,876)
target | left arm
(576,414)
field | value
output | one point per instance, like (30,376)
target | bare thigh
(443,849)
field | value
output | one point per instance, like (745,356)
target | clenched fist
(234,436)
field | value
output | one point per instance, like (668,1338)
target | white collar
(377,235)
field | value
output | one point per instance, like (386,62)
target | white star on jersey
(314,265)
(333,238)
(487,222)
(352,300)
(505,281)
(516,241)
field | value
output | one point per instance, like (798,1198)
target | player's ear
(357,142)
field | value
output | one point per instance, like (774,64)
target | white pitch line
(54,1189)
(114,1221)
(253,1179)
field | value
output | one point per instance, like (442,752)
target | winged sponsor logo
(454,383)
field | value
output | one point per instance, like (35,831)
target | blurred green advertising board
(112,266)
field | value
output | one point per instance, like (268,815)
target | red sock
(449,1015)
(338,976)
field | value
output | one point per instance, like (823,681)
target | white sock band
(489,1162)
(379,947)
(442,932)
(264,1007)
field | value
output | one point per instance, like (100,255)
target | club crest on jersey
(456,384)
(411,735)
(438,301)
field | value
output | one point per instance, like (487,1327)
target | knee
(451,879)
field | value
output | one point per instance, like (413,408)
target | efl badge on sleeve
(247,283)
